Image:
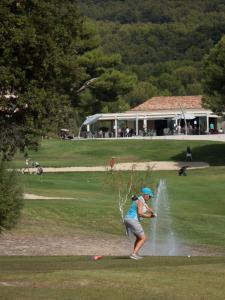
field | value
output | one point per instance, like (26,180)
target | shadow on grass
(121,257)
(213,154)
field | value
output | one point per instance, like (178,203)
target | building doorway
(160,125)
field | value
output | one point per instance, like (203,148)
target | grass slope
(197,203)
(98,152)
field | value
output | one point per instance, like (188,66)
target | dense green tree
(107,83)
(177,80)
(112,84)
(50,60)
(214,80)
(142,91)
(11,198)
(40,42)
(39,45)
(161,11)
(106,94)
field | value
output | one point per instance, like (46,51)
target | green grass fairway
(81,278)
(197,204)
(98,152)
(197,212)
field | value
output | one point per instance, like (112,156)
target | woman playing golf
(139,209)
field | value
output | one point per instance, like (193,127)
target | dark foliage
(163,42)
(11,198)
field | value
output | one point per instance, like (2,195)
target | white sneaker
(135,256)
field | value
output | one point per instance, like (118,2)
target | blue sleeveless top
(133,211)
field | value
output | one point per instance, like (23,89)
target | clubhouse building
(157,116)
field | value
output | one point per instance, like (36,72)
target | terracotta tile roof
(170,102)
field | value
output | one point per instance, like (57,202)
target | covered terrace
(156,116)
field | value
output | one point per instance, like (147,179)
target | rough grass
(56,153)
(161,278)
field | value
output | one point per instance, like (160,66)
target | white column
(207,123)
(116,128)
(88,127)
(175,125)
(145,124)
(137,129)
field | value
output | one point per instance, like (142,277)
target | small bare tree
(128,183)
(123,195)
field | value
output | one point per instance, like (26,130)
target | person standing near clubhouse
(139,209)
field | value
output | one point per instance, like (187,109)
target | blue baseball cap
(147,191)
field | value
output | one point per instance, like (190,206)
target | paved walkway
(204,137)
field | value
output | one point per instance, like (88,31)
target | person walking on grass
(27,166)
(188,153)
(139,209)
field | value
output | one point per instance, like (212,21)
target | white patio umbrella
(89,120)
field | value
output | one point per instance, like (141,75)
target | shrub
(11,198)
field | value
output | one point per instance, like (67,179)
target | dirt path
(11,244)
(74,245)
(139,166)
(38,197)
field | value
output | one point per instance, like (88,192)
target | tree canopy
(38,64)
(215,77)
(51,63)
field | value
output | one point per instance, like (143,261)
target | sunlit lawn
(197,202)
(99,152)
(197,212)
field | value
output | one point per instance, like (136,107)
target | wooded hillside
(163,42)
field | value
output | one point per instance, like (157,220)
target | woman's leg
(140,240)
